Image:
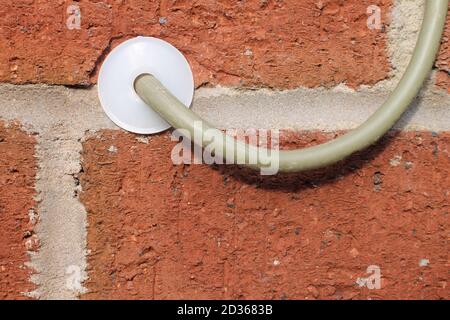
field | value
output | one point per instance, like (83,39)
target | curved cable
(173,111)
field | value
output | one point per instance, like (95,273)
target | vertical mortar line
(61,261)
(406,20)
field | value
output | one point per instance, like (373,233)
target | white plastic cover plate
(124,64)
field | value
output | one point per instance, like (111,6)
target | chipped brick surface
(159,231)
(443,80)
(282,44)
(17,210)
(443,61)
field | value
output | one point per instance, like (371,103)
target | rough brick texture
(443,62)
(272,43)
(443,80)
(17,179)
(159,231)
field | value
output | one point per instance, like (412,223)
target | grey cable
(180,117)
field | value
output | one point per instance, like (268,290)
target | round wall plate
(124,64)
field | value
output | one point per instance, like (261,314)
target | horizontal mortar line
(78,110)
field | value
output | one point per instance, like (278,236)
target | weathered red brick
(282,44)
(443,80)
(443,61)
(159,231)
(17,180)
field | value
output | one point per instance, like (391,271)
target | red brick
(443,62)
(289,43)
(17,180)
(159,231)
(443,80)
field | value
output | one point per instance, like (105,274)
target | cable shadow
(295,182)
(409,114)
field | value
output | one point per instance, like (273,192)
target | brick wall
(281,44)
(145,228)
(159,231)
(443,62)
(17,210)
